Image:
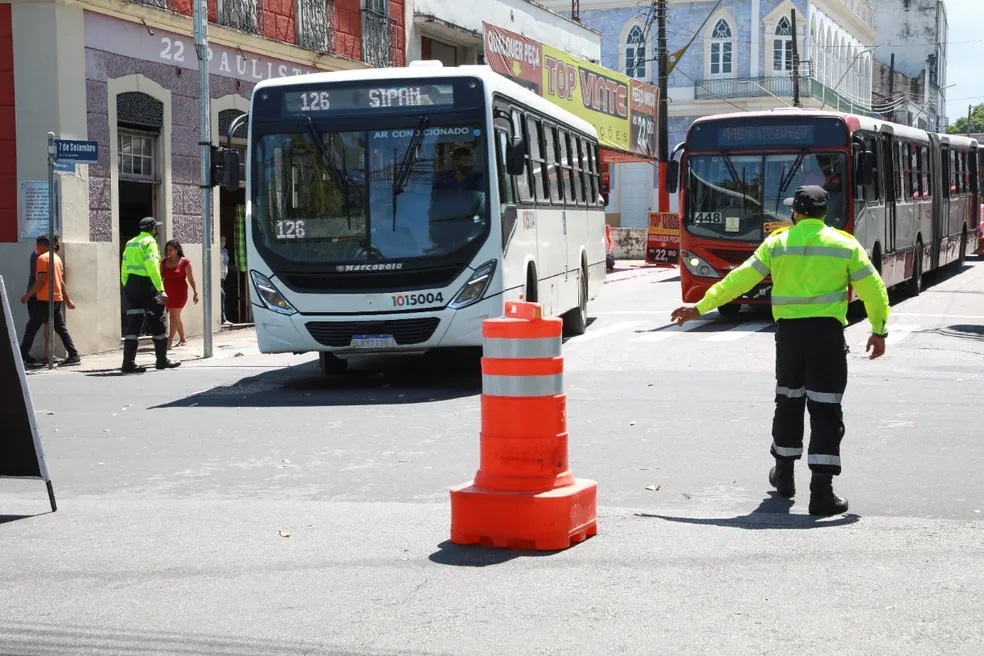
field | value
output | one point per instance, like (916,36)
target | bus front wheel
(576,319)
(331,364)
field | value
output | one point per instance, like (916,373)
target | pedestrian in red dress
(176,273)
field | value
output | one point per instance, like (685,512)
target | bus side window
(506,196)
(872,192)
(596,174)
(524,188)
(553,166)
(924,188)
(577,151)
(567,166)
(947,176)
(537,163)
(897,155)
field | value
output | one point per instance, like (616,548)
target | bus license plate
(372,341)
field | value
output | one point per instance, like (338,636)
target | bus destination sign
(733,136)
(347,99)
(759,132)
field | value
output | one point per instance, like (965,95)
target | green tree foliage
(976,122)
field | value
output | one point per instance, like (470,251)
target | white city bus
(393,210)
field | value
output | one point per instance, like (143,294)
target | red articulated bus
(911,198)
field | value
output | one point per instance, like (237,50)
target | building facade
(912,37)
(126,76)
(738,57)
(451,30)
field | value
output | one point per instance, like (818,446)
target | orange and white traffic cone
(524,495)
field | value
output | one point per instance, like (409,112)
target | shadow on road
(456,555)
(4,519)
(390,381)
(32,638)
(772,513)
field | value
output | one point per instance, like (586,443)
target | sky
(966,45)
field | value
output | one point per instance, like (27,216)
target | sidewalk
(226,343)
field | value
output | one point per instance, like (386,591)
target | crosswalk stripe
(603,332)
(739,331)
(668,332)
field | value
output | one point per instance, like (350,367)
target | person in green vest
(143,293)
(812,267)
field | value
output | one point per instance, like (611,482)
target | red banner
(644,104)
(663,240)
(513,55)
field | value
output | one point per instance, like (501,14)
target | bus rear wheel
(916,281)
(576,319)
(331,364)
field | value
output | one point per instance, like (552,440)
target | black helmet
(149,223)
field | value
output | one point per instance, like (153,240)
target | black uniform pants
(141,303)
(811,373)
(39,317)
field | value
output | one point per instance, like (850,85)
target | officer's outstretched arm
(739,281)
(871,290)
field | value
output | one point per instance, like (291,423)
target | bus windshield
(740,197)
(386,194)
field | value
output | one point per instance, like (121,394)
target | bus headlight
(475,288)
(697,266)
(270,295)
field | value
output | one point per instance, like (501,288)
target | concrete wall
(630,243)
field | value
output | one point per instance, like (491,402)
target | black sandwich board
(21,455)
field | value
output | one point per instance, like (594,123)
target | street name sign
(80,152)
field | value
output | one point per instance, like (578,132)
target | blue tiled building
(739,59)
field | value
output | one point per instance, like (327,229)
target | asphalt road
(175,490)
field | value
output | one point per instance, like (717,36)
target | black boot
(163,362)
(823,501)
(130,357)
(781,478)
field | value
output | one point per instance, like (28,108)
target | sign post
(21,455)
(60,151)
(205,143)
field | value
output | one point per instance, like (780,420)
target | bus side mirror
(516,156)
(230,169)
(866,168)
(672,182)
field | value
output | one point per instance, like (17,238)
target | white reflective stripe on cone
(534,347)
(523,385)
(823,459)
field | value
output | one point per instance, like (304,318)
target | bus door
(890,164)
(939,185)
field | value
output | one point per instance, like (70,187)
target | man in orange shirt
(39,315)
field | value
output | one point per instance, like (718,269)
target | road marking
(604,332)
(668,332)
(739,331)
(938,316)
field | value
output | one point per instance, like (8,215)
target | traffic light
(225,167)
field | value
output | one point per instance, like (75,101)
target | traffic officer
(143,292)
(811,266)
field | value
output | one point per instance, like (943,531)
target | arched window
(782,47)
(722,49)
(636,62)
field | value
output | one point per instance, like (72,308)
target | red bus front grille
(730,256)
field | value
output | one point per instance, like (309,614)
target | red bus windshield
(739,197)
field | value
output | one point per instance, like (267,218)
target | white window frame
(720,47)
(782,47)
(637,49)
(151,159)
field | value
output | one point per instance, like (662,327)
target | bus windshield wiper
(338,176)
(788,178)
(410,157)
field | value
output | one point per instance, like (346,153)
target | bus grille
(730,256)
(404,331)
(377,281)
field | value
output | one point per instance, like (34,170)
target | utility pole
(796,64)
(662,129)
(201,46)
(970,116)
(49,352)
